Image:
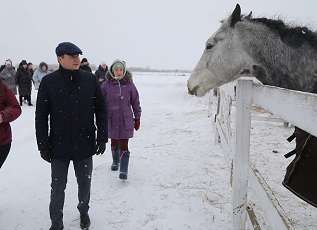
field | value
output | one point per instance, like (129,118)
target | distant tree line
(53,67)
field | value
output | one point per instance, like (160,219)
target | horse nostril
(193,91)
(209,46)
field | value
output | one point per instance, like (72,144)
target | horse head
(287,56)
(222,59)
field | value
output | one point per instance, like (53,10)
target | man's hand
(100,148)
(46,155)
(0,118)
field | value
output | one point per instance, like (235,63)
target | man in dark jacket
(69,104)
(85,65)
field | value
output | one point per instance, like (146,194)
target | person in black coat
(69,106)
(101,72)
(85,65)
(24,82)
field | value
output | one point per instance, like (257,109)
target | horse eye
(209,46)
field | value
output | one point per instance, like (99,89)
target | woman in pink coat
(124,112)
(9,111)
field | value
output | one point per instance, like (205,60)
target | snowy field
(178,178)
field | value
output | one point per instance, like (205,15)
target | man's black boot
(54,228)
(84,221)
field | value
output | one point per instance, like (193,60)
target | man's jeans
(83,172)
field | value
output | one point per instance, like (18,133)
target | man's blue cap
(67,48)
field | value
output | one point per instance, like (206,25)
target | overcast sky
(159,34)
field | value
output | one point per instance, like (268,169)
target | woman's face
(118,73)
(43,68)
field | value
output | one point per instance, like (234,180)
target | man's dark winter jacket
(69,104)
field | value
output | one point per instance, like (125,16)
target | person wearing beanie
(124,113)
(71,125)
(101,72)
(8,75)
(85,65)
(24,82)
(39,74)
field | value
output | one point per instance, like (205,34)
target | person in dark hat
(71,125)
(85,65)
(24,82)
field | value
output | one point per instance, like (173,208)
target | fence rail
(298,108)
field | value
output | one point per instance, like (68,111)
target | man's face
(70,62)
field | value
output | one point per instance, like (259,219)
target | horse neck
(286,67)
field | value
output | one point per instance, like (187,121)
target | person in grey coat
(70,108)
(39,74)
(124,113)
(8,76)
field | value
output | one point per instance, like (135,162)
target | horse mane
(293,36)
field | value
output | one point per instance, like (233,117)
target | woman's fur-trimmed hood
(127,77)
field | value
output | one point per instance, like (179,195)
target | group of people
(100,72)
(76,113)
(20,80)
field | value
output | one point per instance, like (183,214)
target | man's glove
(136,124)
(46,155)
(100,148)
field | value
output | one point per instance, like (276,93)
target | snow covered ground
(178,178)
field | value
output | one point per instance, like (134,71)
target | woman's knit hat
(117,64)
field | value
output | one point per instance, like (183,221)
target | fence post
(241,153)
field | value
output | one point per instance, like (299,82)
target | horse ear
(249,15)
(235,16)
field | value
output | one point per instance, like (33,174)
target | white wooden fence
(298,108)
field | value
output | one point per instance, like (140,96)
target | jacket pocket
(128,123)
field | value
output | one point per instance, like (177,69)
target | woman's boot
(124,163)
(115,157)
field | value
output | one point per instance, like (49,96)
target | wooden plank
(226,148)
(252,221)
(275,214)
(241,153)
(298,108)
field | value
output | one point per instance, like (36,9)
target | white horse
(278,55)
(286,54)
